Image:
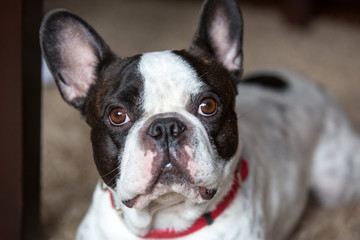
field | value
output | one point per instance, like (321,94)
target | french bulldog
(188,149)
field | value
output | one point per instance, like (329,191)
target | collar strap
(209,217)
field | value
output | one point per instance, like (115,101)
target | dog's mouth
(171,187)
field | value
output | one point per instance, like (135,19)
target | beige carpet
(328,51)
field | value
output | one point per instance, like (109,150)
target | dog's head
(163,125)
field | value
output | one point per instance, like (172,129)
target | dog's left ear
(220,33)
(74,53)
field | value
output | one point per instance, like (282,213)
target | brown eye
(118,117)
(207,107)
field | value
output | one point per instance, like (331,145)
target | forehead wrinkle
(169,82)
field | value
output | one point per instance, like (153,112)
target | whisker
(205,73)
(109,172)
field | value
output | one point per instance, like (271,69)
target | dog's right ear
(73,52)
(220,34)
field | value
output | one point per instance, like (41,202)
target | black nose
(165,128)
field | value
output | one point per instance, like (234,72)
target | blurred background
(320,39)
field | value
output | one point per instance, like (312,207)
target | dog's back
(296,138)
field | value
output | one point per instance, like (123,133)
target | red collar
(207,218)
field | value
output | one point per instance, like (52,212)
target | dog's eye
(118,117)
(207,107)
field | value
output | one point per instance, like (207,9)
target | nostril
(176,129)
(157,132)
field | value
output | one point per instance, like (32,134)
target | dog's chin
(165,194)
(170,187)
(171,195)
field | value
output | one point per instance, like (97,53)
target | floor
(327,51)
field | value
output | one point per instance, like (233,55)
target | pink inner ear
(78,56)
(226,48)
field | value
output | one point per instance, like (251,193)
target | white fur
(288,139)
(337,161)
(169,82)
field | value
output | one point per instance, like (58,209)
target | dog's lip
(183,185)
(130,203)
(207,193)
(193,193)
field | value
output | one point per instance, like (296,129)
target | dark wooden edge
(31,69)
(10,120)
(20,88)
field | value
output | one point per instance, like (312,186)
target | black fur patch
(119,85)
(221,128)
(267,81)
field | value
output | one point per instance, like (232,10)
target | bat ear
(220,33)
(73,52)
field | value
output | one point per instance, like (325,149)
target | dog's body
(169,129)
(289,150)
